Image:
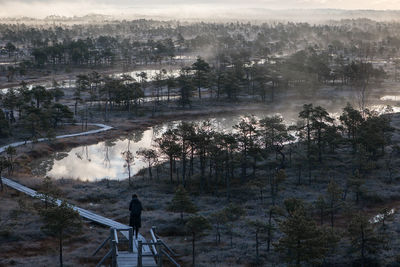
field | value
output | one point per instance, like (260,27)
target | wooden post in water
(140,251)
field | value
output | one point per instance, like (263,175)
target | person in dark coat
(136,211)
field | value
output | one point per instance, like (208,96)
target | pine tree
(320,206)
(273,212)
(277,179)
(4,164)
(233,213)
(4,125)
(60,221)
(302,241)
(186,87)
(48,191)
(150,156)
(351,119)
(181,203)
(11,151)
(293,204)
(196,225)
(201,69)
(386,214)
(259,184)
(129,159)
(168,145)
(274,135)
(355,183)
(246,135)
(259,228)
(334,195)
(363,237)
(218,219)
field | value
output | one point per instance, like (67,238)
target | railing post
(111,236)
(113,248)
(130,239)
(114,254)
(140,251)
(159,253)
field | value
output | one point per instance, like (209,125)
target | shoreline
(120,128)
(66,76)
(35,151)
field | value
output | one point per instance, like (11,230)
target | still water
(105,160)
(70,83)
(99,161)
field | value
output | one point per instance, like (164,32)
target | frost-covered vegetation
(267,192)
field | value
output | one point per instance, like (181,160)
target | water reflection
(70,83)
(99,161)
(105,159)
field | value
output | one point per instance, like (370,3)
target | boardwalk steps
(141,257)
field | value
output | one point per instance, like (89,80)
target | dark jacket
(136,211)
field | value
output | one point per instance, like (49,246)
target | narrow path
(102,128)
(82,212)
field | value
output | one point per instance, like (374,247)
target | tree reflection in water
(107,145)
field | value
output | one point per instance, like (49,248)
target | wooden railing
(160,251)
(157,254)
(158,248)
(114,241)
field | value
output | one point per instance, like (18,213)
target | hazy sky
(40,8)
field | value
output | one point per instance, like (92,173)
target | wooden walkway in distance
(124,259)
(102,128)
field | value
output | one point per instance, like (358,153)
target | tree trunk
(298,254)
(231,236)
(332,213)
(202,172)
(193,248)
(170,168)
(257,253)
(61,249)
(199,92)
(129,174)
(191,160)
(322,216)
(269,232)
(150,173)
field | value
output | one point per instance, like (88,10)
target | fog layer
(254,9)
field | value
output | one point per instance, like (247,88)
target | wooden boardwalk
(102,128)
(131,258)
(124,259)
